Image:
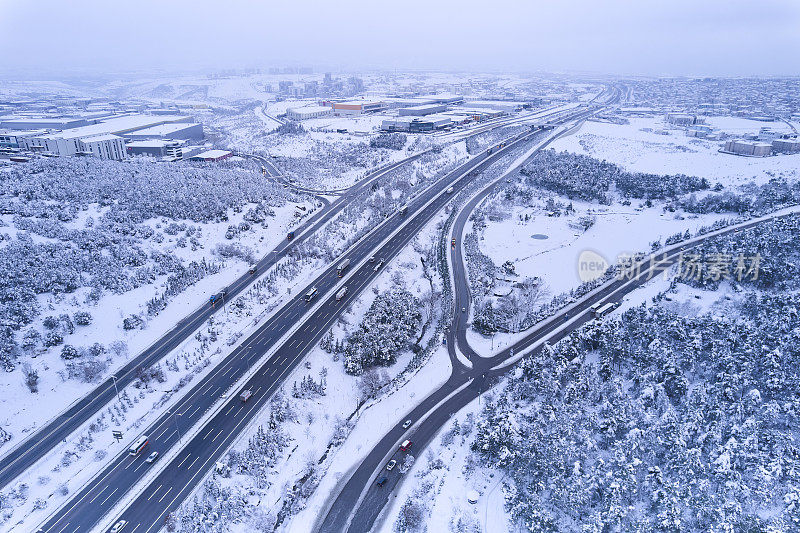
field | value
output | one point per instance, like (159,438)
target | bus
(311,293)
(342,266)
(604,309)
(140,444)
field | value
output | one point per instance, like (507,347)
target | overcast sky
(661,37)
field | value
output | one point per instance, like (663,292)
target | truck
(604,309)
(290,236)
(342,267)
(310,294)
(403,210)
(245,395)
(341,294)
(450,190)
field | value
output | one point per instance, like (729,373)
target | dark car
(382,481)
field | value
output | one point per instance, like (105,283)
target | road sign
(117,434)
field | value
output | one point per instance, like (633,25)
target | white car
(407,424)
(116,528)
(151,458)
(391,464)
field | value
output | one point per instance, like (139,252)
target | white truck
(342,267)
(341,294)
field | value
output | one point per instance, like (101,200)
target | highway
(38,444)
(178,478)
(360,501)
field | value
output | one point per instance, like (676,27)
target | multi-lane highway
(228,416)
(360,501)
(55,431)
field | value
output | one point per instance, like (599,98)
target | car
(391,464)
(463,309)
(372,259)
(382,481)
(151,458)
(406,445)
(379,265)
(252,269)
(116,528)
(407,424)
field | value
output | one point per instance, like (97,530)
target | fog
(676,37)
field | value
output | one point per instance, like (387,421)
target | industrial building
(180,130)
(308,112)
(172,149)
(212,155)
(416,124)
(682,119)
(358,107)
(35,123)
(421,110)
(748,148)
(787,146)
(499,105)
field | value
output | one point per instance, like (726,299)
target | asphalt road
(38,444)
(164,494)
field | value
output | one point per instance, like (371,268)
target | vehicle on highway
(310,294)
(406,445)
(245,395)
(463,309)
(140,444)
(116,528)
(453,242)
(252,270)
(391,464)
(450,190)
(407,424)
(263,170)
(342,267)
(290,236)
(382,481)
(403,210)
(372,259)
(379,265)
(489,151)
(341,294)
(217,297)
(604,309)
(151,458)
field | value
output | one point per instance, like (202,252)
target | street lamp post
(114,379)
(178,429)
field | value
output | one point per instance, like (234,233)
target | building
(173,149)
(421,110)
(682,119)
(307,112)
(748,148)
(357,107)
(104,146)
(212,155)
(35,123)
(787,146)
(698,130)
(499,105)
(767,134)
(416,124)
(180,130)
(8,140)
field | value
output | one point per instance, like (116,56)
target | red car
(406,445)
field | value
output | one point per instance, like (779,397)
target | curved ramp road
(304,328)
(26,453)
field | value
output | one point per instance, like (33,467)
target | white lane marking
(154,492)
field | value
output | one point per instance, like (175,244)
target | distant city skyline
(681,37)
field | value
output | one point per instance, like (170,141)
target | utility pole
(114,379)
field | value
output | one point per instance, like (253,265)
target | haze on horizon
(679,37)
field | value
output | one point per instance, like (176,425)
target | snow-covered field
(646,145)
